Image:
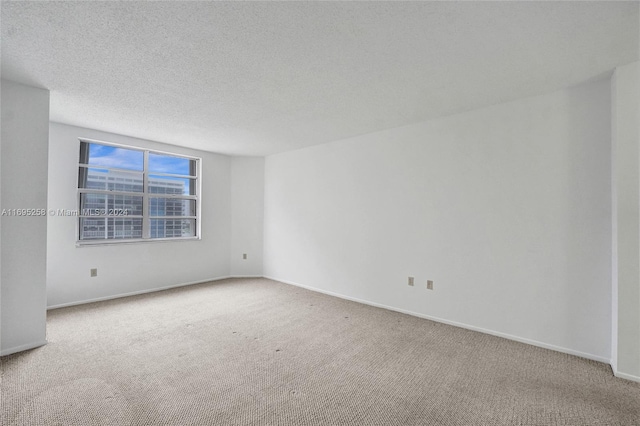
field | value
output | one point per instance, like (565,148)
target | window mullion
(146,222)
(106,220)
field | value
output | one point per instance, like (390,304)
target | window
(131,194)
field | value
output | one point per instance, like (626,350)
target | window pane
(110,228)
(124,228)
(169,164)
(110,204)
(168,228)
(93,229)
(171,185)
(171,207)
(111,156)
(104,179)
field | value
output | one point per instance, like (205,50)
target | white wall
(25,130)
(626,221)
(130,268)
(506,208)
(247,219)
(1,204)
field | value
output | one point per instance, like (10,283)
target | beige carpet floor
(258,352)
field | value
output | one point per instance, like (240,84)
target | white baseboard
(454,323)
(625,375)
(246,276)
(134,293)
(22,348)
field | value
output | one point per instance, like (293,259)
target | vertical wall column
(625,125)
(247,215)
(23,242)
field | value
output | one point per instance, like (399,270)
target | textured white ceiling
(260,78)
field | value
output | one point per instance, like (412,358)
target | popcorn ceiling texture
(260,78)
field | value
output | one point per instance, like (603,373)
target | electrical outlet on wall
(94,272)
(244,256)
(429,285)
(410,281)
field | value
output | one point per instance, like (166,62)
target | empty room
(320,213)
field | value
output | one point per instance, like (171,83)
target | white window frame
(146,196)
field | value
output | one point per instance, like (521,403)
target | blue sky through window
(119,158)
(168,164)
(130,159)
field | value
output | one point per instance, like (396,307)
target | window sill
(94,243)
